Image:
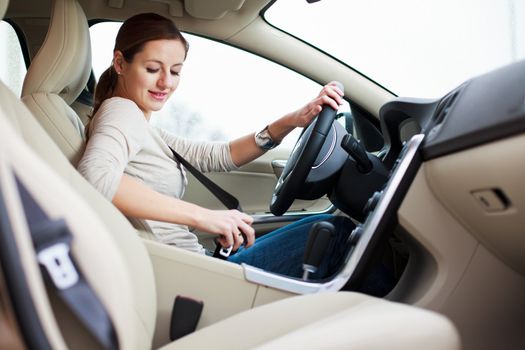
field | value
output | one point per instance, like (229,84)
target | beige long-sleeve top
(121,140)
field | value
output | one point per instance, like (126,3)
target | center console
(380,214)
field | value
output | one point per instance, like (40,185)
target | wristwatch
(264,140)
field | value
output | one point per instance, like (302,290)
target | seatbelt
(52,241)
(226,198)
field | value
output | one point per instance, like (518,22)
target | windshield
(418,48)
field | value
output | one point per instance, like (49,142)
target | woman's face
(153,74)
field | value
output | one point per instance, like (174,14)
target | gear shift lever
(319,239)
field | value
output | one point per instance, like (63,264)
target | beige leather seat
(117,265)
(57,75)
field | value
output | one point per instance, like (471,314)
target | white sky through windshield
(420,48)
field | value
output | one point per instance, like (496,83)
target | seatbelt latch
(58,264)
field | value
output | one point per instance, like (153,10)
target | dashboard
(479,112)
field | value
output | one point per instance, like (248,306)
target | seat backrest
(58,74)
(63,192)
(52,137)
(104,227)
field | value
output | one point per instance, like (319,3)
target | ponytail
(105,87)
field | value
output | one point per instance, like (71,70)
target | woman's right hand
(135,199)
(230,225)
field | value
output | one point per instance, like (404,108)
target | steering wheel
(301,159)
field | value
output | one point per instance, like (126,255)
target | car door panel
(253,185)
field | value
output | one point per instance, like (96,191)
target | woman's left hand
(330,95)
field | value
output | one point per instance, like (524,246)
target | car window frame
(229,45)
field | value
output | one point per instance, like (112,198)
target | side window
(12,64)
(224,92)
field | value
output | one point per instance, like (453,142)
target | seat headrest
(3,7)
(63,63)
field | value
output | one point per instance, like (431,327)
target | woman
(129,161)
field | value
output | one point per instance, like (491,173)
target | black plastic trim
(368,128)
(398,111)
(386,225)
(488,108)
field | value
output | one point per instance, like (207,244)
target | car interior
(434,186)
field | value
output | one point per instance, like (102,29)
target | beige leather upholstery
(328,321)
(132,306)
(83,110)
(332,320)
(57,75)
(142,290)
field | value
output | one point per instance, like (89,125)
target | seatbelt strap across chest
(226,198)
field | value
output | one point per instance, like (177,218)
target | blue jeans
(282,251)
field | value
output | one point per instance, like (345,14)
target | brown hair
(134,33)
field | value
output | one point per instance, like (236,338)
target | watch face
(265,136)
(264,140)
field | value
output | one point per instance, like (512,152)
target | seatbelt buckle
(225,252)
(221,252)
(58,264)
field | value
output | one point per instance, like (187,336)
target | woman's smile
(158,96)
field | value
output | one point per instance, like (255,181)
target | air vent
(444,107)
